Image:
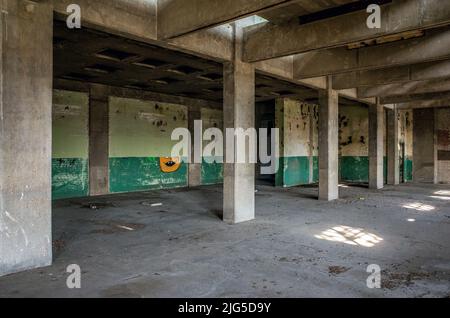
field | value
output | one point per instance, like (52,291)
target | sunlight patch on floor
(350,235)
(418,206)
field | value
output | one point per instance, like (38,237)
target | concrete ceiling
(87,55)
(304,9)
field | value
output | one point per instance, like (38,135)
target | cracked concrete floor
(297,246)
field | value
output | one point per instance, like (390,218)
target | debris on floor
(396,280)
(97,205)
(336,270)
(116,227)
(151,204)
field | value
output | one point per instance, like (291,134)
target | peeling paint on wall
(140,135)
(443,144)
(354,143)
(406,139)
(298,124)
(211,173)
(70,145)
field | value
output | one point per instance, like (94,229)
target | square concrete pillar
(328,143)
(195,169)
(393,155)
(425,146)
(239,112)
(376,146)
(26,73)
(98,140)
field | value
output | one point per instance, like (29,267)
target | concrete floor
(127,248)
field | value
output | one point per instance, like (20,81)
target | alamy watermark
(74,19)
(238,146)
(73,281)
(374,279)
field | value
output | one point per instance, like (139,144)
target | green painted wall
(211,173)
(140,134)
(293,171)
(406,136)
(297,122)
(354,169)
(353,143)
(315,169)
(141,174)
(70,143)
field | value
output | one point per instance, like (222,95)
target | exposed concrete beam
(425,104)
(282,68)
(180,17)
(415,98)
(270,41)
(431,86)
(398,74)
(432,47)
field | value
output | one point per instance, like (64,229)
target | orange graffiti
(169,165)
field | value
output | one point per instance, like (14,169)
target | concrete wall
(138,137)
(354,143)
(406,121)
(443,144)
(140,145)
(25,135)
(212,173)
(70,175)
(294,119)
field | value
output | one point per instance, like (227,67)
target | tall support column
(98,140)
(328,143)
(26,66)
(424,150)
(239,112)
(376,146)
(195,169)
(392,147)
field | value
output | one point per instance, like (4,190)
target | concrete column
(312,124)
(195,169)
(425,146)
(239,112)
(328,143)
(376,146)
(26,72)
(393,155)
(98,140)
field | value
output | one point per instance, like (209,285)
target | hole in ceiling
(78,77)
(185,70)
(215,89)
(285,92)
(165,80)
(138,86)
(100,68)
(115,55)
(211,76)
(150,63)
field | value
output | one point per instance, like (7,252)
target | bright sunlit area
(350,235)
(441,195)
(419,206)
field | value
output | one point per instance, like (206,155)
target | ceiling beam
(414,98)
(397,74)
(432,47)
(425,104)
(430,86)
(271,41)
(180,17)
